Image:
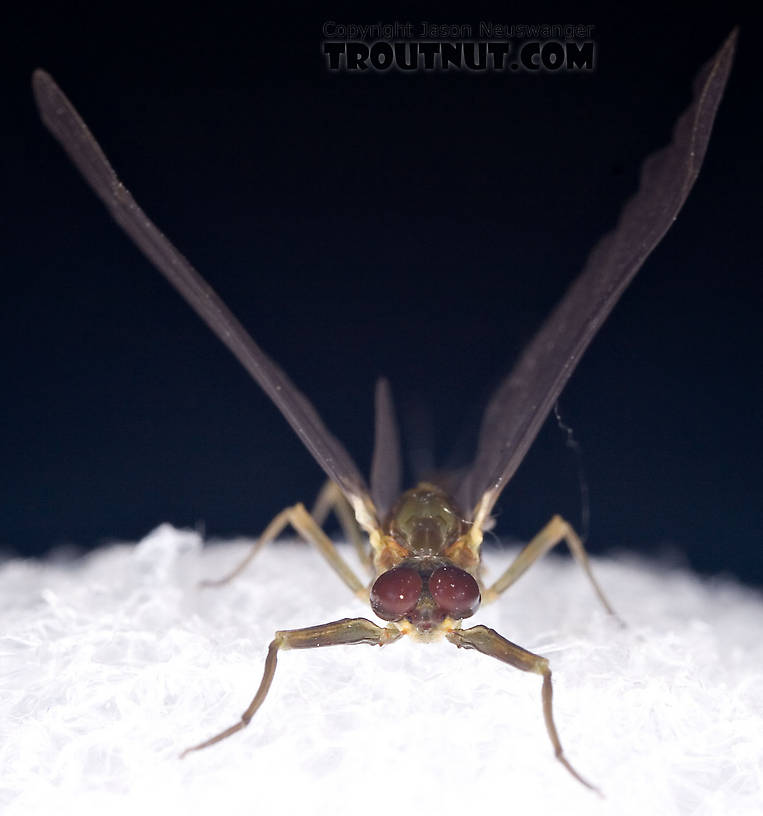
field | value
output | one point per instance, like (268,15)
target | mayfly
(424,553)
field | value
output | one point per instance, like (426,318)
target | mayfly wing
(63,121)
(522,402)
(386,465)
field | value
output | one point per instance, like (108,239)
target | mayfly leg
(556,531)
(298,517)
(347,631)
(490,643)
(331,499)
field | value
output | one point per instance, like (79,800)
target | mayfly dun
(424,554)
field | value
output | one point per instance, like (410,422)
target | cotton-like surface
(112,664)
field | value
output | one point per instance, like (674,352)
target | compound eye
(396,592)
(454,591)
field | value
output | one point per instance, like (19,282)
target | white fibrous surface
(113,663)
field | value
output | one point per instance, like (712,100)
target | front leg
(341,632)
(489,642)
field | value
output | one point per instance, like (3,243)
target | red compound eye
(396,592)
(454,591)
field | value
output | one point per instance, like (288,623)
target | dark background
(419,226)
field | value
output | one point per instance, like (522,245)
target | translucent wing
(386,467)
(522,402)
(67,126)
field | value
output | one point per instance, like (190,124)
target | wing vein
(524,399)
(63,121)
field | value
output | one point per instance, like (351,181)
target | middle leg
(298,517)
(556,531)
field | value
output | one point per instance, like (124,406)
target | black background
(419,226)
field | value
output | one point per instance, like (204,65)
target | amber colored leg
(556,531)
(331,498)
(306,526)
(489,642)
(341,632)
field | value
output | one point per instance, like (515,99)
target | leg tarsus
(257,700)
(548,716)
(298,517)
(556,531)
(490,643)
(271,532)
(347,631)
